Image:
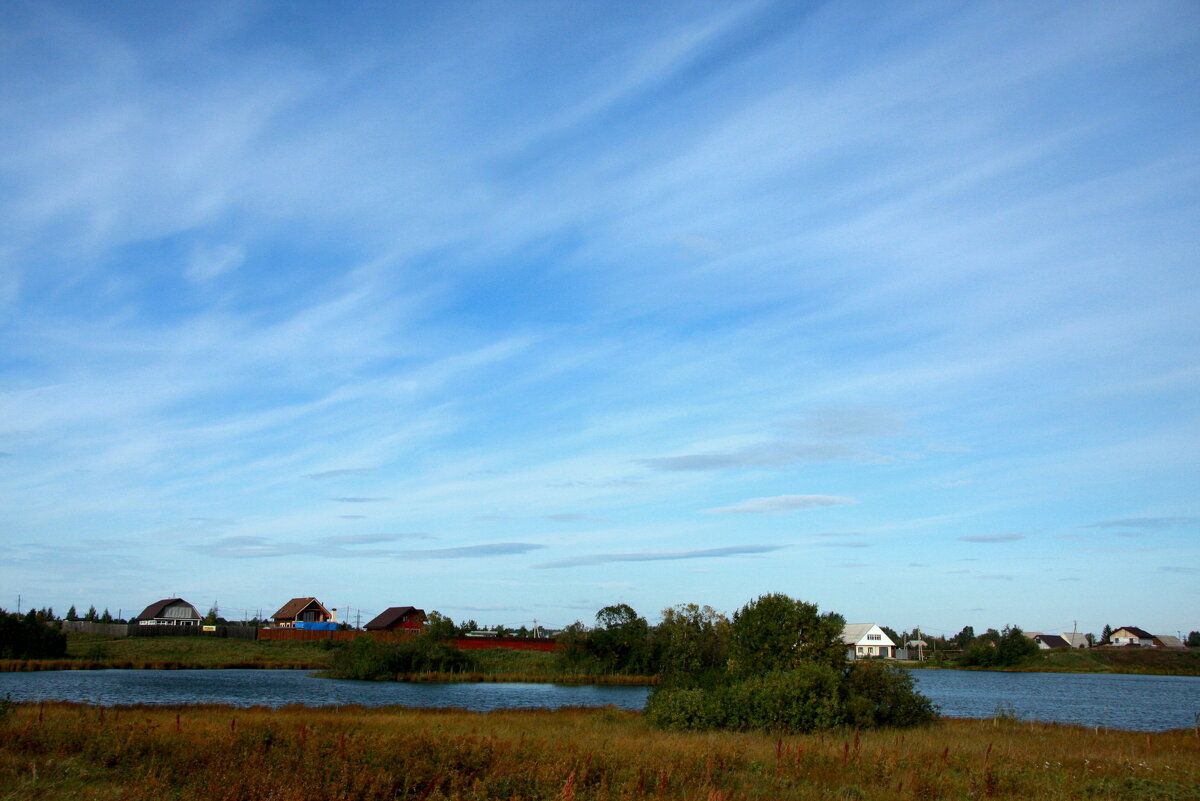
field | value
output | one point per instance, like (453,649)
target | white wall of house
(1125,637)
(867,641)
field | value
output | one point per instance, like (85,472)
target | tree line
(34,635)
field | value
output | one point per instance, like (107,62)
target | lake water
(281,687)
(1141,703)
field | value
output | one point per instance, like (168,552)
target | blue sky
(516,310)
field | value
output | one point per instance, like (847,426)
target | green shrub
(678,708)
(883,695)
(804,699)
(369,659)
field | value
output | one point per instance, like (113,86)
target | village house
(1131,635)
(300,611)
(1048,641)
(867,641)
(169,612)
(398,619)
(1168,641)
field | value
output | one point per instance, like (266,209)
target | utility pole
(18,603)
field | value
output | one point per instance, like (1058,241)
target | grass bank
(98,652)
(1146,661)
(68,751)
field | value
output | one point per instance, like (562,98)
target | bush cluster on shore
(372,660)
(786,672)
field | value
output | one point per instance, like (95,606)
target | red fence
(308,635)
(466,643)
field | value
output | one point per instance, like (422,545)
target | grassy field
(65,751)
(1119,660)
(94,651)
(1151,661)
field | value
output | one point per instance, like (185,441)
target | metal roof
(156,609)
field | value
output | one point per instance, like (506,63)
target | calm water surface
(281,687)
(1139,703)
(1142,703)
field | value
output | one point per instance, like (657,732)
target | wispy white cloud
(780,503)
(992,538)
(1151,523)
(660,556)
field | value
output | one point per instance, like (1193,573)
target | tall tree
(691,643)
(776,632)
(964,638)
(439,626)
(620,640)
(1106,634)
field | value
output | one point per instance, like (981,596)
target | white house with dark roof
(1132,635)
(1048,641)
(867,641)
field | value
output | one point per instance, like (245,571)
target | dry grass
(61,751)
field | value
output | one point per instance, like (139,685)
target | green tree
(91,614)
(965,637)
(620,641)
(1000,649)
(691,644)
(572,651)
(439,627)
(71,614)
(106,617)
(1014,647)
(30,636)
(775,632)
(1193,639)
(1106,634)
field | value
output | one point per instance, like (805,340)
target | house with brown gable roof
(398,618)
(302,610)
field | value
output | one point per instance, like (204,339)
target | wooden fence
(466,643)
(136,630)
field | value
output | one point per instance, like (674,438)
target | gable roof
(1076,640)
(1169,641)
(295,606)
(155,609)
(853,633)
(1052,641)
(1141,634)
(391,615)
